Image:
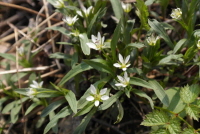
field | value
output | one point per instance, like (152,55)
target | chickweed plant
(138,60)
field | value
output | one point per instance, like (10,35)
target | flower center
(97,97)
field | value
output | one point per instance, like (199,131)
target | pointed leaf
(100,65)
(117,8)
(61,114)
(174,126)
(190,93)
(158,28)
(143,94)
(156,118)
(115,39)
(85,109)
(71,99)
(84,39)
(159,91)
(31,107)
(107,103)
(193,111)
(76,70)
(121,112)
(52,107)
(81,128)
(60,29)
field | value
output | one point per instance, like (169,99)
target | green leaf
(155,118)
(76,70)
(101,65)
(85,109)
(92,22)
(174,126)
(41,92)
(8,56)
(14,112)
(143,94)
(160,131)
(60,29)
(31,107)
(193,111)
(189,131)
(84,39)
(175,103)
(121,112)
(158,28)
(127,31)
(143,13)
(16,77)
(149,2)
(52,107)
(135,45)
(139,82)
(179,45)
(159,91)
(190,93)
(71,99)
(171,60)
(61,114)
(107,103)
(10,106)
(117,8)
(59,55)
(115,38)
(81,128)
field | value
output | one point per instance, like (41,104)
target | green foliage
(189,93)
(142,13)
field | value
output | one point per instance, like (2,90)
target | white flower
(20,51)
(31,92)
(36,85)
(70,20)
(126,7)
(123,63)
(97,97)
(176,13)
(152,40)
(198,44)
(124,81)
(59,4)
(85,11)
(97,42)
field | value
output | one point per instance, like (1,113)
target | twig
(26,9)
(26,69)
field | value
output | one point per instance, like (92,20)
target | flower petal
(93,89)
(120,78)
(119,84)
(90,98)
(103,91)
(121,59)
(124,69)
(33,86)
(127,59)
(41,83)
(79,13)
(128,65)
(117,65)
(104,97)
(92,45)
(96,103)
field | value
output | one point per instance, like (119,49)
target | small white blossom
(97,97)
(97,42)
(126,7)
(152,40)
(123,63)
(123,81)
(36,84)
(70,20)
(59,4)
(176,13)
(85,11)
(31,92)
(198,44)
(20,51)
